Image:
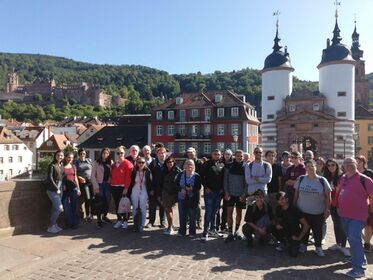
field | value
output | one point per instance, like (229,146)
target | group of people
(286,202)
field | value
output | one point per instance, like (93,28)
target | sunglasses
(120,153)
(170,162)
(141,162)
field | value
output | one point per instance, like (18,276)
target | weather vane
(336,4)
(277,13)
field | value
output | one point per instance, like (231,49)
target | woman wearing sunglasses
(140,187)
(121,172)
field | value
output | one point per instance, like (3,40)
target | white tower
(277,84)
(337,83)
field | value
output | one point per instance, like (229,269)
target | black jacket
(148,181)
(169,180)
(157,173)
(213,175)
(54,175)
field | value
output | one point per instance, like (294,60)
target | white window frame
(19,158)
(370,140)
(220,130)
(220,146)
(159,116)
(207,114)
(182,148)
(10,159)
(170,130)
(235,111)
(220,112)
(207,130)
(316,107)
(195,146)
(235,128)
(292,107)
(182,130)
(171,146)
(195,113)
(159,130)
(182,115)
(207,148)
(170,115)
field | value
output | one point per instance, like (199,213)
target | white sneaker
(172,232)
(335,247)
(319,252)
(117,225)
(58,227)
(125,225)
(53,229)
(167,232)
(345,251)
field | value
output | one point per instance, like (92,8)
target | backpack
(320,180)
(265,165)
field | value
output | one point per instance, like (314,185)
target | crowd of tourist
(287,201)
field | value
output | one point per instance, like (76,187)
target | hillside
(141,85)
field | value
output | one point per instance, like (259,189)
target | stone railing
(24,206)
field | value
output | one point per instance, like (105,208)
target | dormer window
(159,115)
(316,107)
(170,115)
(292,108)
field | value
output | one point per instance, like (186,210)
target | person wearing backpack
(312,198)
(355,189)
(258,174)
(292,173)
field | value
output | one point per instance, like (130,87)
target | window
(234,112)
(341,114)
(1,172)
(357,127)
(234,146)
(341,93)
(194,130)
(11,172)
(10,159)
(370,127)
(271,138)
(370,140)
(195,146)
(19,158)
(339,156)
(1,160)
(182,115)
(292,107)
(271,116)
(207,148)
(7,148)
(170,130)
(220,146)
(316,107)
(182,148)
(170,115)
(234,129)
(159,115)
(15,147)
(208,115)
(220,129)
(207,130)
(271,97)
(159,130)
(50,143)
(195,113)
(171,146)
(220,112)
(182,130)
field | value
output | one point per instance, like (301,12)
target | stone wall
(24,206)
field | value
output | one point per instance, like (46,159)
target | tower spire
(355,48)
(337,36)
(277,39)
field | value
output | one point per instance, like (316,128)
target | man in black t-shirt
(274,186)
(258,218)
(290,225)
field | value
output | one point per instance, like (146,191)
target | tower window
(292,125)
(292,107)
(271,97)
(341,114)
(316,107)
(341,93)
(271,116)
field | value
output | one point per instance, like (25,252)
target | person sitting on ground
(235,194)
(258,218)
(289,227)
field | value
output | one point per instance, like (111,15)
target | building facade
(205,121)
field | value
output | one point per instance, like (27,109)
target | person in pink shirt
(353,200)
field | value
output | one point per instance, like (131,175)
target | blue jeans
(353,230)
(183,212)
(71,208)
(106,197)
(340,236)
(212,202)
(57,208)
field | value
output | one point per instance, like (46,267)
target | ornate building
(321,121)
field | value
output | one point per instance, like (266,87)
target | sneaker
(280,247)
(355,274)
(117,225)
(271,242)
(214,233)
(345,251)
(106,220)
(204,237)
(237,236)
(149,225)
(335,247)
(229,238)
(191,236)
(58,227)
(180,234)
(349,260)
(162,225)
(141,229)
(88,219)
(367,247)
(302,248)
(99,225)
(125,225)
(53,229)
(167,232)
(172,231)
(319,252)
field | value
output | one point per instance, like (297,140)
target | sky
(183,36)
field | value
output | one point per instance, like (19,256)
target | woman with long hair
(169,191)
(100,178)
(121,171)
(71,192)
(139,188)
(54,190)
(333,174)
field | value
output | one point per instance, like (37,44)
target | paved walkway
(89,253)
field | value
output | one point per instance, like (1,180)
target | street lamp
(356,139)
(235,139)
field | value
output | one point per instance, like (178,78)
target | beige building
(364,130)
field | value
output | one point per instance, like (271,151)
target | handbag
(97,204)
(124,205)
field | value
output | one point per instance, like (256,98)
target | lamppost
(356,140)
(235,139)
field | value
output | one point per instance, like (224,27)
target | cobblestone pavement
(122,254)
